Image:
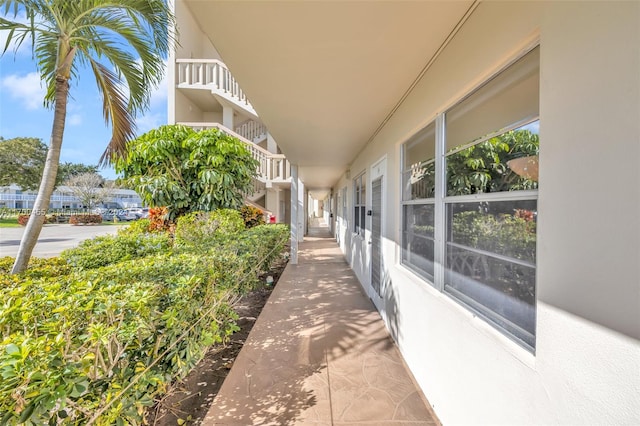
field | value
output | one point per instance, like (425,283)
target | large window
(418,179)
(359,197)
(470,200)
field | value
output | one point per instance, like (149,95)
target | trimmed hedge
(104,341)
(82,219)
(200,228)
(109,249)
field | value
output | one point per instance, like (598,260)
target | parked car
(109,214)
(129,214)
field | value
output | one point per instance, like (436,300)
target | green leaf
(12,349)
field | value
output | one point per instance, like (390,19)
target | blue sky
(22,113)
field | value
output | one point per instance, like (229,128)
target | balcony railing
(252,130)
(213,75)
(271,167)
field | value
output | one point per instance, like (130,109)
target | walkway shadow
(318,352)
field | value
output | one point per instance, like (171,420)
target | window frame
(442,201)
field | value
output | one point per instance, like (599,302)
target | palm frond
(115,112)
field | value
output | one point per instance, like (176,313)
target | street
(53,238)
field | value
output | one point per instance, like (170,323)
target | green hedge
(109,249)
(91,339)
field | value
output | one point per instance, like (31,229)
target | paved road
(53,238)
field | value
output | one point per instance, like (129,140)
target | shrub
(202,229)
(38,267)
(82,219)
(72,344)
(140,226)
(159,219)
(252,216)
(23,219)
(101,330)
(109,249)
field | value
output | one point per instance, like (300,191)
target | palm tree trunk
(47,185)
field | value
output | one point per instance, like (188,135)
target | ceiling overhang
(323,76)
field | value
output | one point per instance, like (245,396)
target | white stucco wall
(185,109)
(586,369)
(192,43)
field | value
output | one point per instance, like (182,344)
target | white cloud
(27,89)
(74,119)
(149,121)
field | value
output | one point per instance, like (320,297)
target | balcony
(213,75)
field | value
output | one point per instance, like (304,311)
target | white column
(272,202)
(227,117)
(302,210)
(294,215)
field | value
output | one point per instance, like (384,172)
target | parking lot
(53,238)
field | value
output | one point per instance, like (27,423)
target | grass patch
(9,222)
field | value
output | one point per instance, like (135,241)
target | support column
(293,259)
(227,117)
(272,202)
(302,211)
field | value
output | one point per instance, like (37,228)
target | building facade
(63,198)
(458,151)
(203,94)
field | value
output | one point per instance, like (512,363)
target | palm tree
(123,42)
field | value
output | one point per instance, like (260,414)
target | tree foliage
(22,162)
(123,43)
(483,167)
(480,168)
(90,188)
(68,170)
(187,171)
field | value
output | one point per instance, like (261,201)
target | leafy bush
(38,267)
(159,219)
(23,219)
(109,249)
(74,341)
(140,226)
(201,229)
(252,216)
(188,170)
(81,219)
(101,332)
(262,244)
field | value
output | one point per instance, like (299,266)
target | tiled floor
(319,354)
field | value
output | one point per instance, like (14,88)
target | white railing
(32,197)
(252,130)
(271,167)
(280,168)
(210,74)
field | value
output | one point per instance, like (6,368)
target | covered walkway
(319,354)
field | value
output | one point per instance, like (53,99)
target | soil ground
(188,401)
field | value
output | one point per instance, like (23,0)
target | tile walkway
(319,354)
